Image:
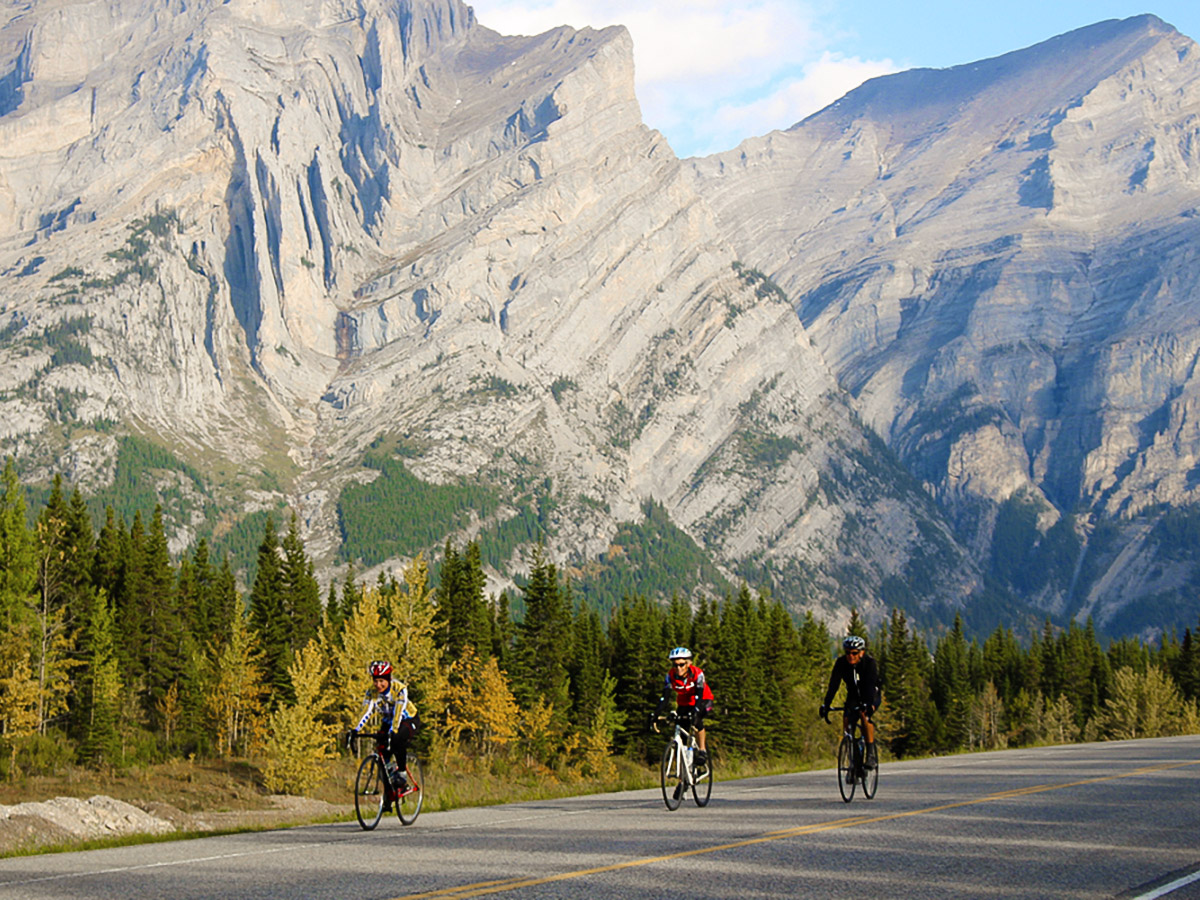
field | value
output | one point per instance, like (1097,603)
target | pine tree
(301,594)
(268,617)
(910,713)
(735,672)
(586,672)
(781,650)
(1187,674)
(18,567)
(128,607)
(80,548)
(166,644)
(544,643)
(462,614)
(53,633)
(638,663)
(950,686)
(856,625)
(108,566)
(503,632)
(100,689)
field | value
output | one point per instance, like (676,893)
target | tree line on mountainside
(112,654)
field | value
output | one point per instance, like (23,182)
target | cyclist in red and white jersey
(693,696)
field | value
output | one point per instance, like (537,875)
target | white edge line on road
(154,865)
(1168,888)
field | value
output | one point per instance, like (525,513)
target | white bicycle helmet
(854,642)
(679,653)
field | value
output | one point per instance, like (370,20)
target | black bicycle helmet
(854,642)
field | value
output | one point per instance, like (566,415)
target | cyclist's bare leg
(700,738)
(868,729)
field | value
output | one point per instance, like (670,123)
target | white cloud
(709,73)
(820,83)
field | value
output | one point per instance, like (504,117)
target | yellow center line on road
(483,888)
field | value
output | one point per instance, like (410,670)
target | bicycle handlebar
(377,736)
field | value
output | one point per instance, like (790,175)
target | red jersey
(688,686)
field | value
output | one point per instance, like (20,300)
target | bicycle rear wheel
(672,776)
(370,789)
(408,804)
(845,769)
(702,784)
(870,779)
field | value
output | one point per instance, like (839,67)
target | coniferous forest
(113,654)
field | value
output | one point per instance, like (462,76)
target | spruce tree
(586,668)
(100,689)
(738,681)
(463,618)
(544,642)
(166,644)
(268,617)
(780,654)
(18,569)
(301,594)
(638,663)
(53,630)
(950,686)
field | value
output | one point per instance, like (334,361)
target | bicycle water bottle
(393,771)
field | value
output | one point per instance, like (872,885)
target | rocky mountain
(998,261)
(345,243)
(380,265)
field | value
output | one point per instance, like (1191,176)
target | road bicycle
(374,790)
(679,773)
(852,757)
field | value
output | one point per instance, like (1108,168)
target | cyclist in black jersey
(859,673)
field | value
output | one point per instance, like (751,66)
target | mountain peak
(1051,74)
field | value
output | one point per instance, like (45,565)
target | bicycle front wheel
(408,804)
(702,783)
(845,769)
(870,780)
(672,776)
(370,789)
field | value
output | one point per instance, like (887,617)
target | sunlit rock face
(269,235)
(999,262)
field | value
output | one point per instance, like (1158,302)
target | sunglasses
(681,662)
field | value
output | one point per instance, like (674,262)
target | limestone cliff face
(998,261)
(272,233)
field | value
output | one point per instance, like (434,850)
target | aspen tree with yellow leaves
(235,690)
(300,739)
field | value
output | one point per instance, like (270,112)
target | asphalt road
(1093,820)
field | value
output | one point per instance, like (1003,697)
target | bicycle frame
(677,775)
(407,807)
(854,739)
(685,750)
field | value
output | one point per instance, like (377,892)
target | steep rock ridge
(276,233)
(997,260)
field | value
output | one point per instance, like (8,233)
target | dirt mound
(64,821)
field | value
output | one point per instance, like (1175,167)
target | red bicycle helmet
(381,668)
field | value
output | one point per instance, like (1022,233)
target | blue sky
(711,73)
